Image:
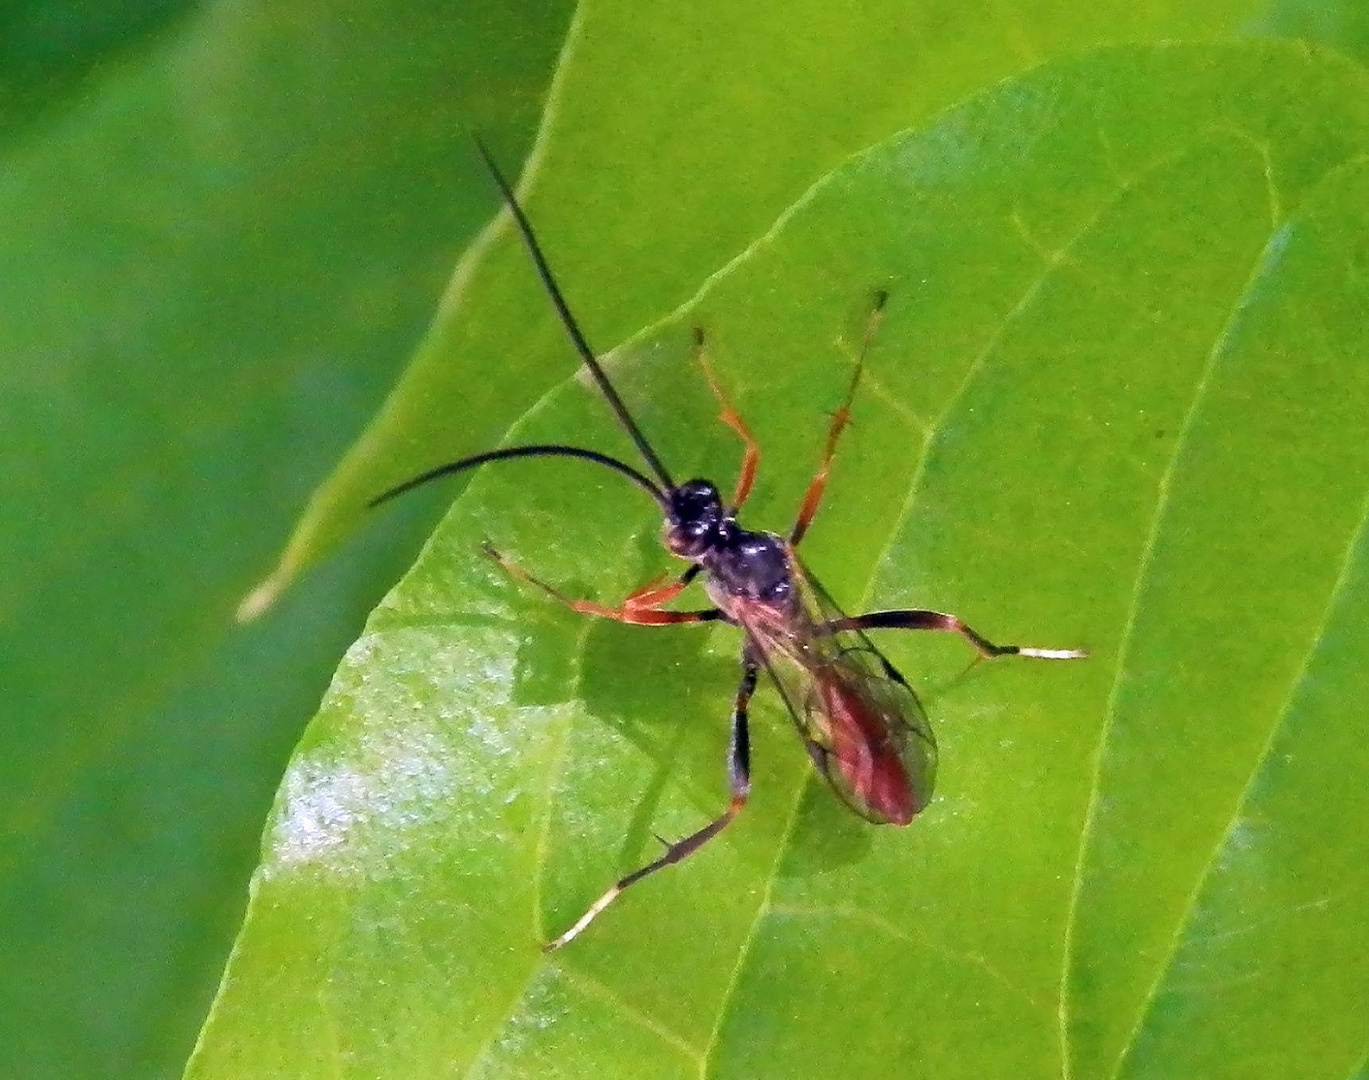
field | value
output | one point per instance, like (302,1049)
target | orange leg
(751,457)
(641,608)
(809,508)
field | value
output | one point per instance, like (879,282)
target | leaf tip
(262,596)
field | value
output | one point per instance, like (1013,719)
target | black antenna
(568,320)
(546,450)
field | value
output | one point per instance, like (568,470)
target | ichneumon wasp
(863,726)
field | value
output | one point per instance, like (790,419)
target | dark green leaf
(217,247)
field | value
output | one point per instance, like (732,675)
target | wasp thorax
(754,565)
(696,513)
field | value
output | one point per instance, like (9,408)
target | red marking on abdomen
(866,756)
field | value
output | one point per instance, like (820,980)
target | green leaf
(672,140)
(219,245)
(1117,401)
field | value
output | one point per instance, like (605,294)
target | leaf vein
(1357,537)
(762,909)
(594,988)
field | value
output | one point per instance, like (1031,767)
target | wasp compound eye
(696,500)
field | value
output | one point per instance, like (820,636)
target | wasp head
(695,519)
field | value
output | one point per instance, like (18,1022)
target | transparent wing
(864,727)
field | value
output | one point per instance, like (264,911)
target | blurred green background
(223,230)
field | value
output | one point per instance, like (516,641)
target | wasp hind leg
(915,619)
(739,786)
